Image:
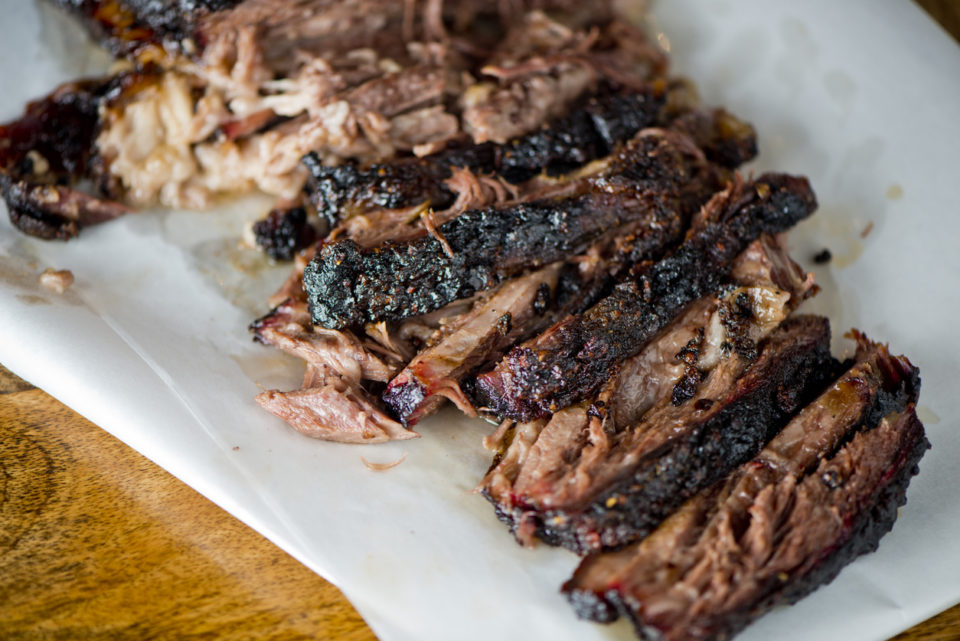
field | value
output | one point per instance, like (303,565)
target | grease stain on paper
(926,415)
(31,299)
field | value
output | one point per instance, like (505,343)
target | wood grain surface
(96,542)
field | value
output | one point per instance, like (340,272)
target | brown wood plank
(97,542)
(946,12)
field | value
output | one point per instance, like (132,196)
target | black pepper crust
(651,180)
(875,513)
(576,356)
(793,368)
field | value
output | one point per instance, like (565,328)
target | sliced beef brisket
(537,460)
(655,178)
(568,362)
(821,493)
(623,485)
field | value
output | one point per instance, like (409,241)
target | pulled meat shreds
(543,66)
(332,403)
(822,492)
(244,90)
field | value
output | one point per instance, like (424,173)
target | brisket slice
(806,531)
(653,179)
(622,489)
(592,130)
(537,460)
(569,361)
(518,309)
(662,582)
(435,373)
(589,132)
(542,67)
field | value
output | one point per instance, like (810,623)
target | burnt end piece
(48,148)
(344,190)
(724,138)
(793,368)
(283,232)
(571,360)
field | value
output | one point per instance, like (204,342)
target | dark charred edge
(583,349)
(772,390)
(32,214)
(406,401)
(49,147)
(591,131)
(898,389)
(348,286)
(125,27)
(868,527)
(283,232)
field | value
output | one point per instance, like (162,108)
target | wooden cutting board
(96,542)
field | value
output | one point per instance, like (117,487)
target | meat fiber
(436,372)
(821,493)
(542,67)
(654,179)
(620,490)
(332,403)
(568,362)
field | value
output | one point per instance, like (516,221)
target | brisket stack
(519,212)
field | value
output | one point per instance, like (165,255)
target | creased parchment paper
(151,344)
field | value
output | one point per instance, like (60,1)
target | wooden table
(96,542)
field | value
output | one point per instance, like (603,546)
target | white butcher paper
(151,341)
